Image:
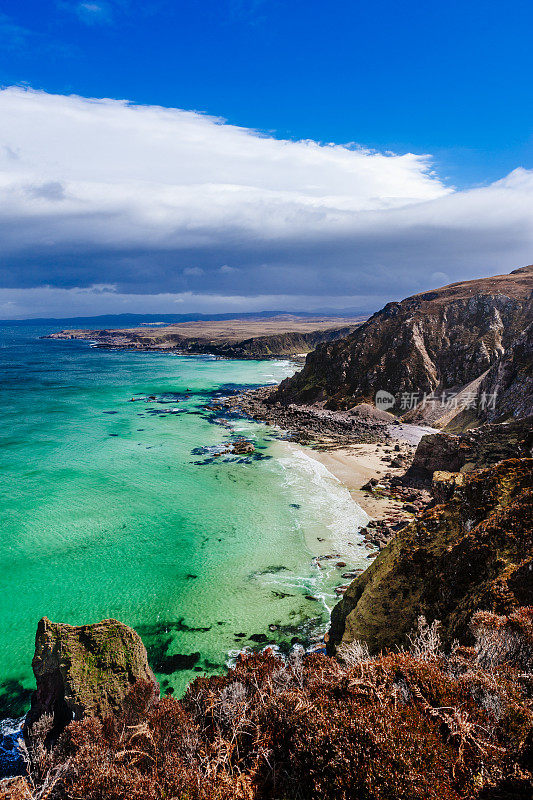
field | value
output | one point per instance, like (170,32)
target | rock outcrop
(473,552)
(85,671)
(474,449)
(430,343)
(510,381)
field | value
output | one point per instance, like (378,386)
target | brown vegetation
(410,725)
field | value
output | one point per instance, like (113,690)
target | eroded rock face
(474,449)
(511,381)
(428,343)
(473,552)
(85,671)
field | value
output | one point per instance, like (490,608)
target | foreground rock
(474,552)
(84,671)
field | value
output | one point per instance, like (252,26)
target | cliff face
(473,552)
(85,671)
(427,343)
(475,449)
(511,380)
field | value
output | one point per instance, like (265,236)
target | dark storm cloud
(152,201)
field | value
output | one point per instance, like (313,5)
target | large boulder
(85,671)
(474,449)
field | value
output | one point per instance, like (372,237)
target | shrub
(400,726)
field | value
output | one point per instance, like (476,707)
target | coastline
(354,465)
(356,447)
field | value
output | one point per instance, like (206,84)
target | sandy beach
(355,464)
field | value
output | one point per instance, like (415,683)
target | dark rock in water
(242,447)
(258,637)
(295,505)
(181,625)
(177,662)
(85,671)
(273,569)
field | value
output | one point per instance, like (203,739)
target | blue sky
(452,81)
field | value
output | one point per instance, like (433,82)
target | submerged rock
(85,671)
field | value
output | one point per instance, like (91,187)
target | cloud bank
(174,207)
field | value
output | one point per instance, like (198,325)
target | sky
(239,156)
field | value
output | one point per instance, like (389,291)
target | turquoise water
(112,508)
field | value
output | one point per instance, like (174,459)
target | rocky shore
(310,424)
(363,447)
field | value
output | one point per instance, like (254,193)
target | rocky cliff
(429,343)
(511,380)
(85,671)
(473,552)
(474,449)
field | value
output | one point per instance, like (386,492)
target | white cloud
(93,13)
(96,191)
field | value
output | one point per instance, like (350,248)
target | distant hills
(132,320)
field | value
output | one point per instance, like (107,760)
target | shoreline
(354,465)
(357,447)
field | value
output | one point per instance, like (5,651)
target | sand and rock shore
(367,450)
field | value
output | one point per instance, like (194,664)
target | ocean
(114,508)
